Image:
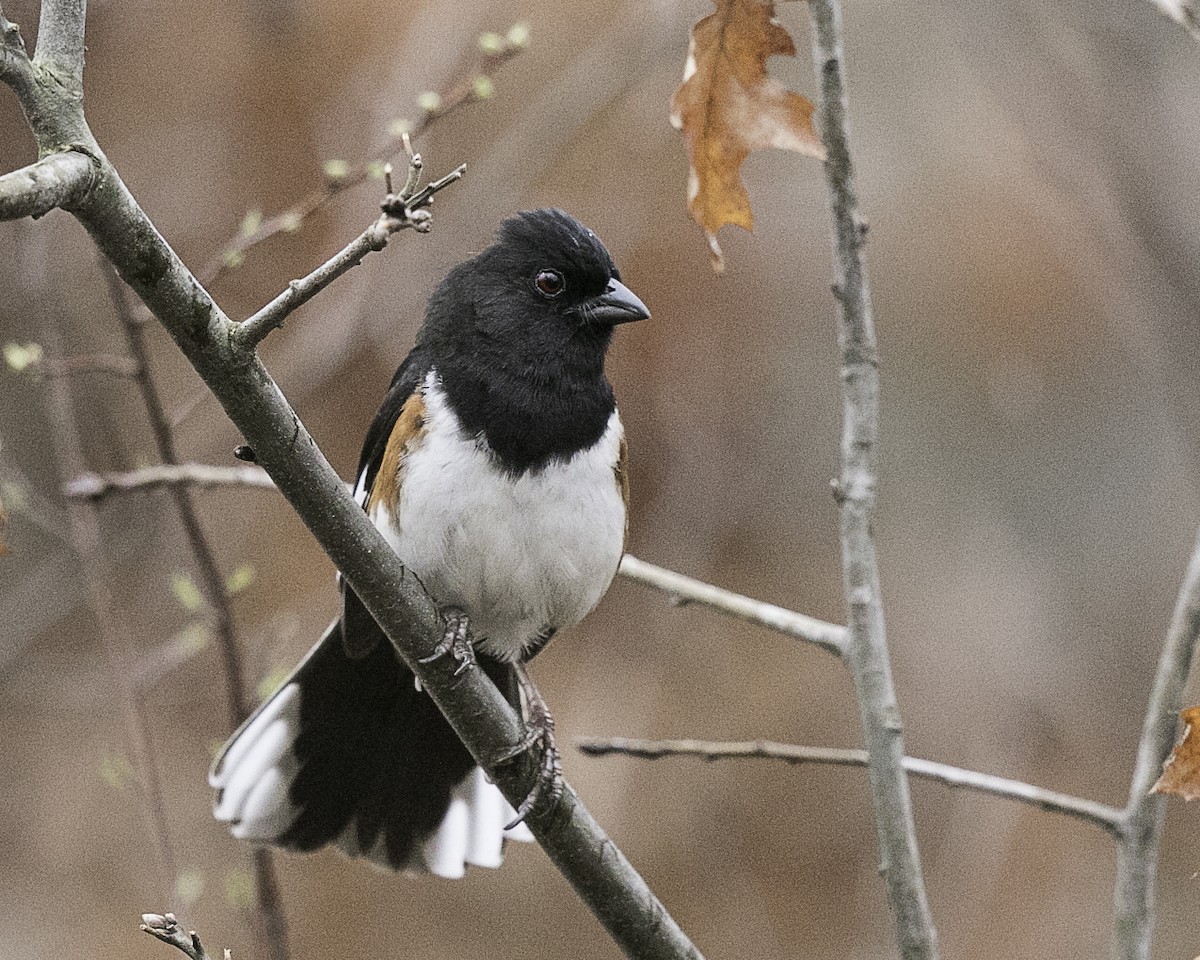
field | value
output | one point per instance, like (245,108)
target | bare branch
(60,41)
(95,486)
(15,66)
(166,928)
(496,51)
(867,652)
(273,930)
(1137,854)
(57,180)
(400,212)
(684,590)
(1089,811)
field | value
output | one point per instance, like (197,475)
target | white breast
(519,555)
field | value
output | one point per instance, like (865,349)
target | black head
(519,332)
(546,290)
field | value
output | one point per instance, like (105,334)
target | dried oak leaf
(1181,772)
(727,107)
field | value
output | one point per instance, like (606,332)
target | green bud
(429,101)
(483,88)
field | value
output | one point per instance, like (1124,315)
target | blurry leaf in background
(1181,772)
(240,579)
(115,770)
(189,885)
(727,107)
(239,888)
(21,356)
(186,592)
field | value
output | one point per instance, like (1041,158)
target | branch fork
(407,209)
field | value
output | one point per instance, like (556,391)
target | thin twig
(273,932)
(867,652)
(684,590)
(1137,853)
(97,486)
(110,624)
(57,180)
(400,213)
(1097,814)
(475,86)
(164,927)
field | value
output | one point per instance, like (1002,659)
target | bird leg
(540,730)
(455,641)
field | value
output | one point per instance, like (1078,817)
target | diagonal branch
(1089,811)
(1137,853)
(164,927)
(477,85)
(60,40)
(867,641)
(57,180)
(400,213)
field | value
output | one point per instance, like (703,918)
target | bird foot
(455,642)
(539,730)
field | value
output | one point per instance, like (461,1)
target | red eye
(550,283)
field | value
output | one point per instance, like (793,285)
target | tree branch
(60,41)
(685,590)
(409,209)
(496,51)
(166,928)
(1137,853)
(867,645)
(1097,814)
(478,712)
(57,180)
(95,486)
(15,67)
(273,932)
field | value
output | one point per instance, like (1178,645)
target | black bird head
(546,291)
(518,334)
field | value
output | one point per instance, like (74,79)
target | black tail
(351,752)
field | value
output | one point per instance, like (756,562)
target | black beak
(617,304)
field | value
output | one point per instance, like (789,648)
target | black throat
(533,413)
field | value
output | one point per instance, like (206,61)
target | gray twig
(400,213)
(478,712)
(164,927)
(96,486)
(212,586)
(57,180)
(867,651)
(827,636)
(1186,13)
(1137,852)
(1097,814)
(467,89)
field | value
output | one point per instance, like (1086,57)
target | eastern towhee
(496,469)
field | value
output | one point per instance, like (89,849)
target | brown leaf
(727,107)
(1181,772)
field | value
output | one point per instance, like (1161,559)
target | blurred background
(1029,172)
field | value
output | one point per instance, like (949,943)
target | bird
(497,470)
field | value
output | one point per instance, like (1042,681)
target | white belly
(519,555)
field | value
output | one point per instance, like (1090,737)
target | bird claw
(455,642)
(540,730)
